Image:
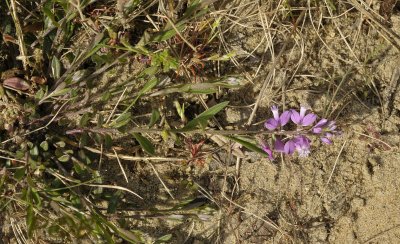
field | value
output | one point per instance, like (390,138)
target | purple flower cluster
(297,140)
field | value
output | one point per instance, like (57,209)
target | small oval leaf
(17,83)
(64,158)
(155,116)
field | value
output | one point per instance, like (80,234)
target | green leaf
(122,120)
(64,158)
(40,93)
(144,143)
(36,198)
(102,59)
(166,34)
(84,121)
(60,144)
(100,120)
(181,110)
(106,96)
(30,220)
(84,139)
(107,141)
(203,118)
(150,71)
(34,151)
(50,15)
(78,168)
(54,229)
(19,174)
(79,75)
(217,57)
(57,92)
(155,116)
(55,68)
(113,202)
(44,145)
(164,238)
(249,145)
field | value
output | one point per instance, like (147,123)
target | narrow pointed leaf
(122,120)
(203,118)
(249,145)
(144,143)
(30,220)
(55,68)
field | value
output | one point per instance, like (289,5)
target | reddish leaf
(17,83)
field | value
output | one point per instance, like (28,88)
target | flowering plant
(297,140)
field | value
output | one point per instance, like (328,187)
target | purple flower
(318,128)
(301,118)
(302,145)
(268,150)
(286,148)
(297,141)
(283,119)
(328,127)
(326,139)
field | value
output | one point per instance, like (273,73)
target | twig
(180,35)
(18,30)
(196,131)
(132,158)
(13,159)
(120,165)
(162,182)
(334,167)
(115,107)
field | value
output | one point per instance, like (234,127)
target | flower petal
(302,111)
(295,116)
(279,146)
(302,141)
(321,123)
(328,135)
(271,124)
(316,130)
(275,112)
(326,140)
(285,117)
(302,145)
(289,147)
(266,149)
(308,119)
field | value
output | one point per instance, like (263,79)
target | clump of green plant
(49,168)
